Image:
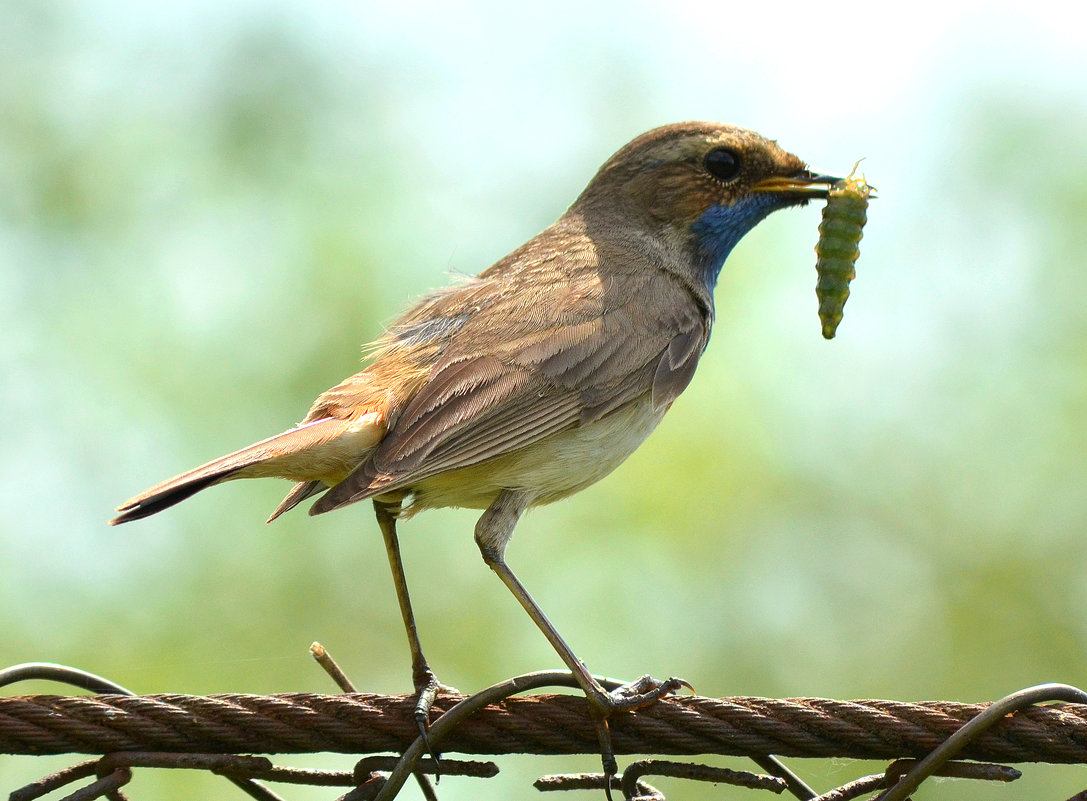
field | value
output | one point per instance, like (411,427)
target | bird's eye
(723,164)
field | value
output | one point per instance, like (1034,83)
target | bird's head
(699,187)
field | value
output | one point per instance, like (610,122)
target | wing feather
(533,353)
(676,367)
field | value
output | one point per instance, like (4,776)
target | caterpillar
(837,249)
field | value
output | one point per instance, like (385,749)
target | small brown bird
(539,376)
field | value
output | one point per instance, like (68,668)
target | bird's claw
(636,695)
(427,688)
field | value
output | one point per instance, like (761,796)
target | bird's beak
(803,184)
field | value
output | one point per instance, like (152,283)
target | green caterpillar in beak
(837,250)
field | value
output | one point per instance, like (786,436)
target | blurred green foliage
(201,220)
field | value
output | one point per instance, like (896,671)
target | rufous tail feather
(299,493)
(303,453)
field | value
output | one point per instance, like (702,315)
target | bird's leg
(493,533)
(426,683)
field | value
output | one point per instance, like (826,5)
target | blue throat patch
(719,228)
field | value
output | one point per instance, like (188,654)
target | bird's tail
(307,452)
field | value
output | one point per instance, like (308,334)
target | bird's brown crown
(674,173)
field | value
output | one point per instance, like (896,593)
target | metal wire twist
(543,724)
(215,732)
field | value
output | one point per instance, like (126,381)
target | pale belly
(551,469)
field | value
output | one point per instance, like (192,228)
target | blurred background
(207,208)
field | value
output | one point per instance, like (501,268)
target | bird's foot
(644,691)
(427,688)
(637,694)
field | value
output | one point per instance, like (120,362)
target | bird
(539,376)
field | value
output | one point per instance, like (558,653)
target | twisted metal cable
(371,784)
(546,724)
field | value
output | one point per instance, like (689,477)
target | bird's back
(563,333)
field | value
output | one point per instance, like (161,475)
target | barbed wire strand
(360,722)
(336,673)
(450,719)
(985,720)
(867,784)
(331,667)
(50,671)
(539,724)
(63,674)
(768,762)
(504,690)
(776,768)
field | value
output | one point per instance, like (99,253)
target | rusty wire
(215,732)
(635,789)
(542,724)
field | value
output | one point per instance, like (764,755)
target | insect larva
(837,249)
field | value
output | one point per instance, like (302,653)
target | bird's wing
(517,371)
